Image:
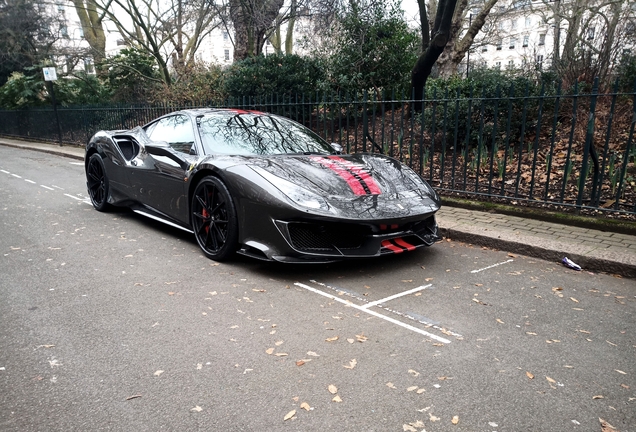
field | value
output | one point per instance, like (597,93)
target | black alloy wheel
(97,182)
(214,219)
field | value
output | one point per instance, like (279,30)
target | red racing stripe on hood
(353,183)
(361,173)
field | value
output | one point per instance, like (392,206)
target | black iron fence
(543,146)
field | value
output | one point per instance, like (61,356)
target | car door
(159,180)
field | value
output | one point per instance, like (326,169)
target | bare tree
(91,19)
(434,41)
(252,20)
(169,31)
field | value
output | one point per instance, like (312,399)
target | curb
(589,263)
(44,150)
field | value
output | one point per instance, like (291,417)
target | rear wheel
(97,182)
(214,219)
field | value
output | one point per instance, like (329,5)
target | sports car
(261,185)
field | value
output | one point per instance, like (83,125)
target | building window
(226,36)
(513,24)
(513,42)
(484,48)
(499,44)
(526,40)
(511,64)
(539,61)
(484,63)
(226,55)
(120,42)
(590,33)
(497,65)
(88,65)
(542,39)
(60,9)
(528,21)
(64,30)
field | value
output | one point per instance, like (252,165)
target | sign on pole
(49,74)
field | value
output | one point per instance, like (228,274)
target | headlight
(297,194)
(418,180)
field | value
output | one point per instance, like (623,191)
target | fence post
(589,136)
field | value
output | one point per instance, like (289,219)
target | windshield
(241,133)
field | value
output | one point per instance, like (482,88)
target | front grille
(319,237)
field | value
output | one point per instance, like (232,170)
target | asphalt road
(110,321)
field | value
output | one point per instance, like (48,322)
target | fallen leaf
(305,406)
(410,389)
(133,397)
(574,300)
(531,333)
(557,289)
(433,418)
(171,293)
(159,372)
(407,280)
(408,428)
(550,380)
(313,354)
(269,351)
(625,386)
(350,340)
(336,399)
(362,338)
(278,343)
(391,385)
(499,321)
(620,372)
(455,420)
(289,415)
(197,409)
(598,397)
(605,426)
(420,391)
(529,375)
(258,290)
(418,424)
(281,354)
(332,389)
(352,364)
(331,339)
(414,373)
(512,255)
(199,366)
(300,362)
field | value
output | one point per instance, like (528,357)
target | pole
(57,117)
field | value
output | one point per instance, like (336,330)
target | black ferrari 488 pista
(263,186)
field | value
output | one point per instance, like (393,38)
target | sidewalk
(594,250)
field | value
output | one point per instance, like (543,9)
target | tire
(97,183)
(214,220)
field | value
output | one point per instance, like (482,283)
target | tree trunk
(93,30)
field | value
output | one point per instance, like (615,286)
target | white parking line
(57,187)
(494,265)
(30,181)
(74,197)
(375,314)
(46,187)
(6,172)
(15,175)
(384,300)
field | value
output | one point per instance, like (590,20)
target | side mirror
(337,147)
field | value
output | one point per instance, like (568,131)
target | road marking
(494,265)
(386,299)
(375,314)
(15,175)
(30,181)
(57,187)
(46,187)
(76,163)
(6,172)
(74,197)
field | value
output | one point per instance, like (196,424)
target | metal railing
(548,148)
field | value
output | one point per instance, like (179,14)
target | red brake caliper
(204,212)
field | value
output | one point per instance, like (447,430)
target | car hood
(353,182)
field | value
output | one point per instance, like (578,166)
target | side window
(176,131)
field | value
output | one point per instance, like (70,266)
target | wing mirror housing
(337,147)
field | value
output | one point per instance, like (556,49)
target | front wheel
(97,182)
(214,219)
